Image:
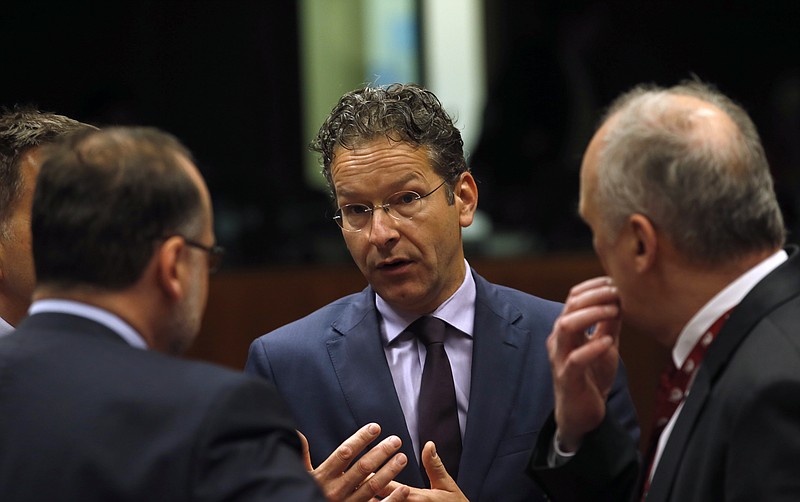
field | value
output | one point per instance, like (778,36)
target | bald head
(690,160)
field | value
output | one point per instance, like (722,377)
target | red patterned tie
(672,391)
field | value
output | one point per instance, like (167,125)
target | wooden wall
(243,305)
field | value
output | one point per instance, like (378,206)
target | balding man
(676,188)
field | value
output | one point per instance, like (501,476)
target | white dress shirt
(406,356)
(5,328)
(725,300)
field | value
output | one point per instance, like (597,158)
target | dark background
(225,78)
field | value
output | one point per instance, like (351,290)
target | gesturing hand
(584,364)
(443,487)
(368,477)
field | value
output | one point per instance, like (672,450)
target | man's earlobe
(168,266)
(466,193)
(646,241)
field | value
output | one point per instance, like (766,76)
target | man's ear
(645,241)
(466,198)
(170,267)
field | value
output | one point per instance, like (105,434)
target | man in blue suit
(395,165)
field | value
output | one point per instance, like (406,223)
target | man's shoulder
(319,323)
(182,375)
(65,364)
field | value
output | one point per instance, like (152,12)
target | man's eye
(405,198)
(356,209)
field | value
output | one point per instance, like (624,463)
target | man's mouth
(392,264)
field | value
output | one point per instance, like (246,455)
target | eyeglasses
(215,254)
(402,205)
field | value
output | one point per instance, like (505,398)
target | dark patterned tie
(437,413)
(672,391)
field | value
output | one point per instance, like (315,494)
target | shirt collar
(96,314)
(721,303)
(458,311)
(5,327)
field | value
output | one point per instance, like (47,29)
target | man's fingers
(377,483)
(435,469)
(306,453)
(580,359)
(343,456)
(604,294)
(367,471)
(593,283)
(580,321)
(399,494)
(571,330)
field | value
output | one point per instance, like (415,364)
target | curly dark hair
(400,112)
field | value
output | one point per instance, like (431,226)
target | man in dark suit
(676,188)
(94,406)
(395,164)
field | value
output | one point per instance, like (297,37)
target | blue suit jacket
(331,368)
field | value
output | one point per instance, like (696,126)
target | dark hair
(399,112)
(103,201)
(23,128)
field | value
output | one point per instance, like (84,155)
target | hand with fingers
(443,487)
(369,476)
(584,354)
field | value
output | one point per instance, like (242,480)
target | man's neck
(13,311)
(122,303)
(693,285)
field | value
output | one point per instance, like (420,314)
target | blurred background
(246,84)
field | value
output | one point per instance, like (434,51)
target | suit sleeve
(257,361)
(607,464)
(604,469)
(248,449)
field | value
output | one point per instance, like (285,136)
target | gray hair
(710,191)
(23,128)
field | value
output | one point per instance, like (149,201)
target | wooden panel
(243,305)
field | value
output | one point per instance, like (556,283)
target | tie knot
(428,329)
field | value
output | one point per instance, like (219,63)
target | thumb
(435,469)
(306,454)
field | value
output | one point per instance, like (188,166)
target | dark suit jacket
(331,368)
(85,416)
(738,434)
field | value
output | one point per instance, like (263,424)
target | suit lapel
(775,289)
(360,364)
(667,466)
(497,360)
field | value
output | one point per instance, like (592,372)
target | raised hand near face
(584,354)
